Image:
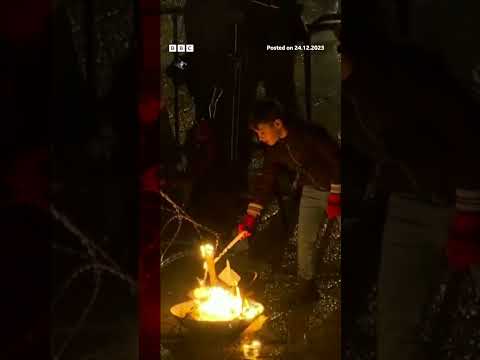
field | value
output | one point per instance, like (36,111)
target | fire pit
(220,306)
(183,312)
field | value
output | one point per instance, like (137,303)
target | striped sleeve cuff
(254,209)
(468,200)
(336,188)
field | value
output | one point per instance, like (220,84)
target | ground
(283,333)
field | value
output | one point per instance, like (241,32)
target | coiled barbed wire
(180,215)
(98,261)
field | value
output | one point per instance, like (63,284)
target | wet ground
(307,332)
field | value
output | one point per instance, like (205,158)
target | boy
(315,158)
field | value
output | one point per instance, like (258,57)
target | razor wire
(99,262)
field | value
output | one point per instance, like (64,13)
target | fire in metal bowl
(216,307)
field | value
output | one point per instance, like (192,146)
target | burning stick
(218,303)
(232,244)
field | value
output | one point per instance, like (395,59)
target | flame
(207,250)
(219,304)
(216,303)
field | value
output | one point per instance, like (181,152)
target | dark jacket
(420,128)
(312,153)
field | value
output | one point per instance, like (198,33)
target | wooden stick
(230,245)
(211,269)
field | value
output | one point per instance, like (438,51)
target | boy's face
(269,133)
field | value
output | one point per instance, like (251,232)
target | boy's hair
(266,111)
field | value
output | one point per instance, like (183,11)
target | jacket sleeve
(263,184)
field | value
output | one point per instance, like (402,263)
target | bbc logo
(180,48)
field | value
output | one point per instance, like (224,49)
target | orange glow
(219,304)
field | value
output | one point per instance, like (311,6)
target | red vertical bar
(24,33)
(149,265)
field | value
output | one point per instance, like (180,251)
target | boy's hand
(247,224)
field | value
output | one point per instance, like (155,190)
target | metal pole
(175,81)
(237,115)
(234,99)
(234,141)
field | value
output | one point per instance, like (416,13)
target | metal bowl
(182,313)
